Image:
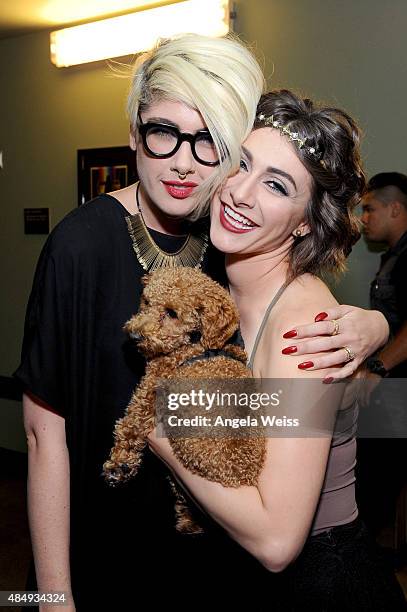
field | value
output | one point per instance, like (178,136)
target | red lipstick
(228,225)
(179,189)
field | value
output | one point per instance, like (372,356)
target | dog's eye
(171,313)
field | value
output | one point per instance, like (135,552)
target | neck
(256,277)
(155,219)
(396,235)
(164,365)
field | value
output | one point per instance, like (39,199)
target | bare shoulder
(303,299)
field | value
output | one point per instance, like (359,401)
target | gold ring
(335,331)
(350,354)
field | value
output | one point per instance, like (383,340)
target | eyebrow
(162,120)
(170,123)
(271,169)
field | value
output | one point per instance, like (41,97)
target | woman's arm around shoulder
(363,331)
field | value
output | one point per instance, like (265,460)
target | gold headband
(293,136)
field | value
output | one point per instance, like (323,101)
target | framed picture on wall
(104,170)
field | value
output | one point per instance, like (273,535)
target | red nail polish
(289,350)
(290,334)
(328,380)
(305,365)
(320,317)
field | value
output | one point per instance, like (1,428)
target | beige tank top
(337,503)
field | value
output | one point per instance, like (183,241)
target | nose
(140,325)
(242,191)
(364,218)
(183,161)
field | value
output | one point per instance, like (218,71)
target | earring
(298,233)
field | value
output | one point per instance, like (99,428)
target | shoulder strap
(264,321)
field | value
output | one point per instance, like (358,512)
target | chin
(223,240)
(178,209)
(372,238)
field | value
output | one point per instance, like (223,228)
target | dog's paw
(188,526)
(116,474)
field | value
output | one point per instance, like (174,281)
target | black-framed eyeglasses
(162,141)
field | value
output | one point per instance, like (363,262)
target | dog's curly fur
(184,313)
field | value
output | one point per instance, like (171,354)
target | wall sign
(36,220)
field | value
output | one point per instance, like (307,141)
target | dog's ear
(219,319)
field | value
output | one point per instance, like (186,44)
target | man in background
(385,220)
(382,461)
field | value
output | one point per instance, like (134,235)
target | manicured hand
(361,331)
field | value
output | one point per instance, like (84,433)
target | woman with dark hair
(284,219)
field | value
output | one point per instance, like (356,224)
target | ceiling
(24,16)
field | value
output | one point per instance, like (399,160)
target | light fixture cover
(138,31)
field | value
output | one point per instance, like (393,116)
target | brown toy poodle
(183,327)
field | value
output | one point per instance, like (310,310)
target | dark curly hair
(338,179)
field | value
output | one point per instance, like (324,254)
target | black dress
(78,360)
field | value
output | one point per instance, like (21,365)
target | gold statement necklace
(152,257)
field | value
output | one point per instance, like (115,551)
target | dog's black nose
(195,336)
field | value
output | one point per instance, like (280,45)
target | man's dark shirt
(388,292)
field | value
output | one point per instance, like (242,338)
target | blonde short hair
(219,77)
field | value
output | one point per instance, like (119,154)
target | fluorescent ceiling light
(59,12)
(137,32)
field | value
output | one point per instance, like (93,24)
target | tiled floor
(15,550)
